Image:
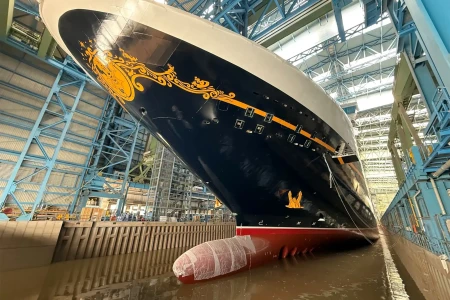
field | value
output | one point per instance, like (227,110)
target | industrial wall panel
(10,95)
(19,110)
(11,139)
(5,171)
(8,62)
(25,83)
(33,61)
(69,180)
(35,74)
(68,169)
(73,146)
(29,85)
(7,157)
(87,120)
(5,75)
(82,130)
(93,100)
(68,156)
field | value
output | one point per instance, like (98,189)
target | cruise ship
(268,141)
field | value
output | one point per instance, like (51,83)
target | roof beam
(338,5)
(294,20)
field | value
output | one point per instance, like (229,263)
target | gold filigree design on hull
(121,75)
(295,202)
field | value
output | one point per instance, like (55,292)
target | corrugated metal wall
(25,83)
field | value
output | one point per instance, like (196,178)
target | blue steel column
(338,5)
(121,201)
(11,184)
(96,177)
(34,137)
(431,19)
(94,152)
(424,39)
(50,163)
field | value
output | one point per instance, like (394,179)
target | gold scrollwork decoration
(120,75)
(295,202)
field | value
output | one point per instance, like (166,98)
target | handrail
(435,245)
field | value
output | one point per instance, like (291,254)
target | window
(268,118)
(239,124)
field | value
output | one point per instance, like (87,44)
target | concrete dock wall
(79,240)
(94,278)
(430,273)
(38,243)
(27,244)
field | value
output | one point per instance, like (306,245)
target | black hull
(250,160)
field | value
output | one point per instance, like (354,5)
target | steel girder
(46,159)
(424,41)
(107,174)
(235,14)
(371,129)
(361,64)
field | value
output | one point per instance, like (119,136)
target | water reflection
(354,274)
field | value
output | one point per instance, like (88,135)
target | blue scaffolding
(419,211)
(45,161)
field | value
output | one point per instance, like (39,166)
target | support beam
(424,41)
(47,45)
(125,183)
(51,162)
(397,165)
(430,18)
(405,140)
(6,17)
(48,154)
(338,5)
(406,122)
(302,19)
(81,197)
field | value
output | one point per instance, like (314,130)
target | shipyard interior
(102,198)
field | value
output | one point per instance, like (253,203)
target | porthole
(268,118)
(259,129)
(239,124)
(249,112)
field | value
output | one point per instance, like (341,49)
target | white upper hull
(215,39)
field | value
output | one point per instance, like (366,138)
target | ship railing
(435,245)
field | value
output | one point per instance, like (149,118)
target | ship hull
(269,156)
(254,246)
